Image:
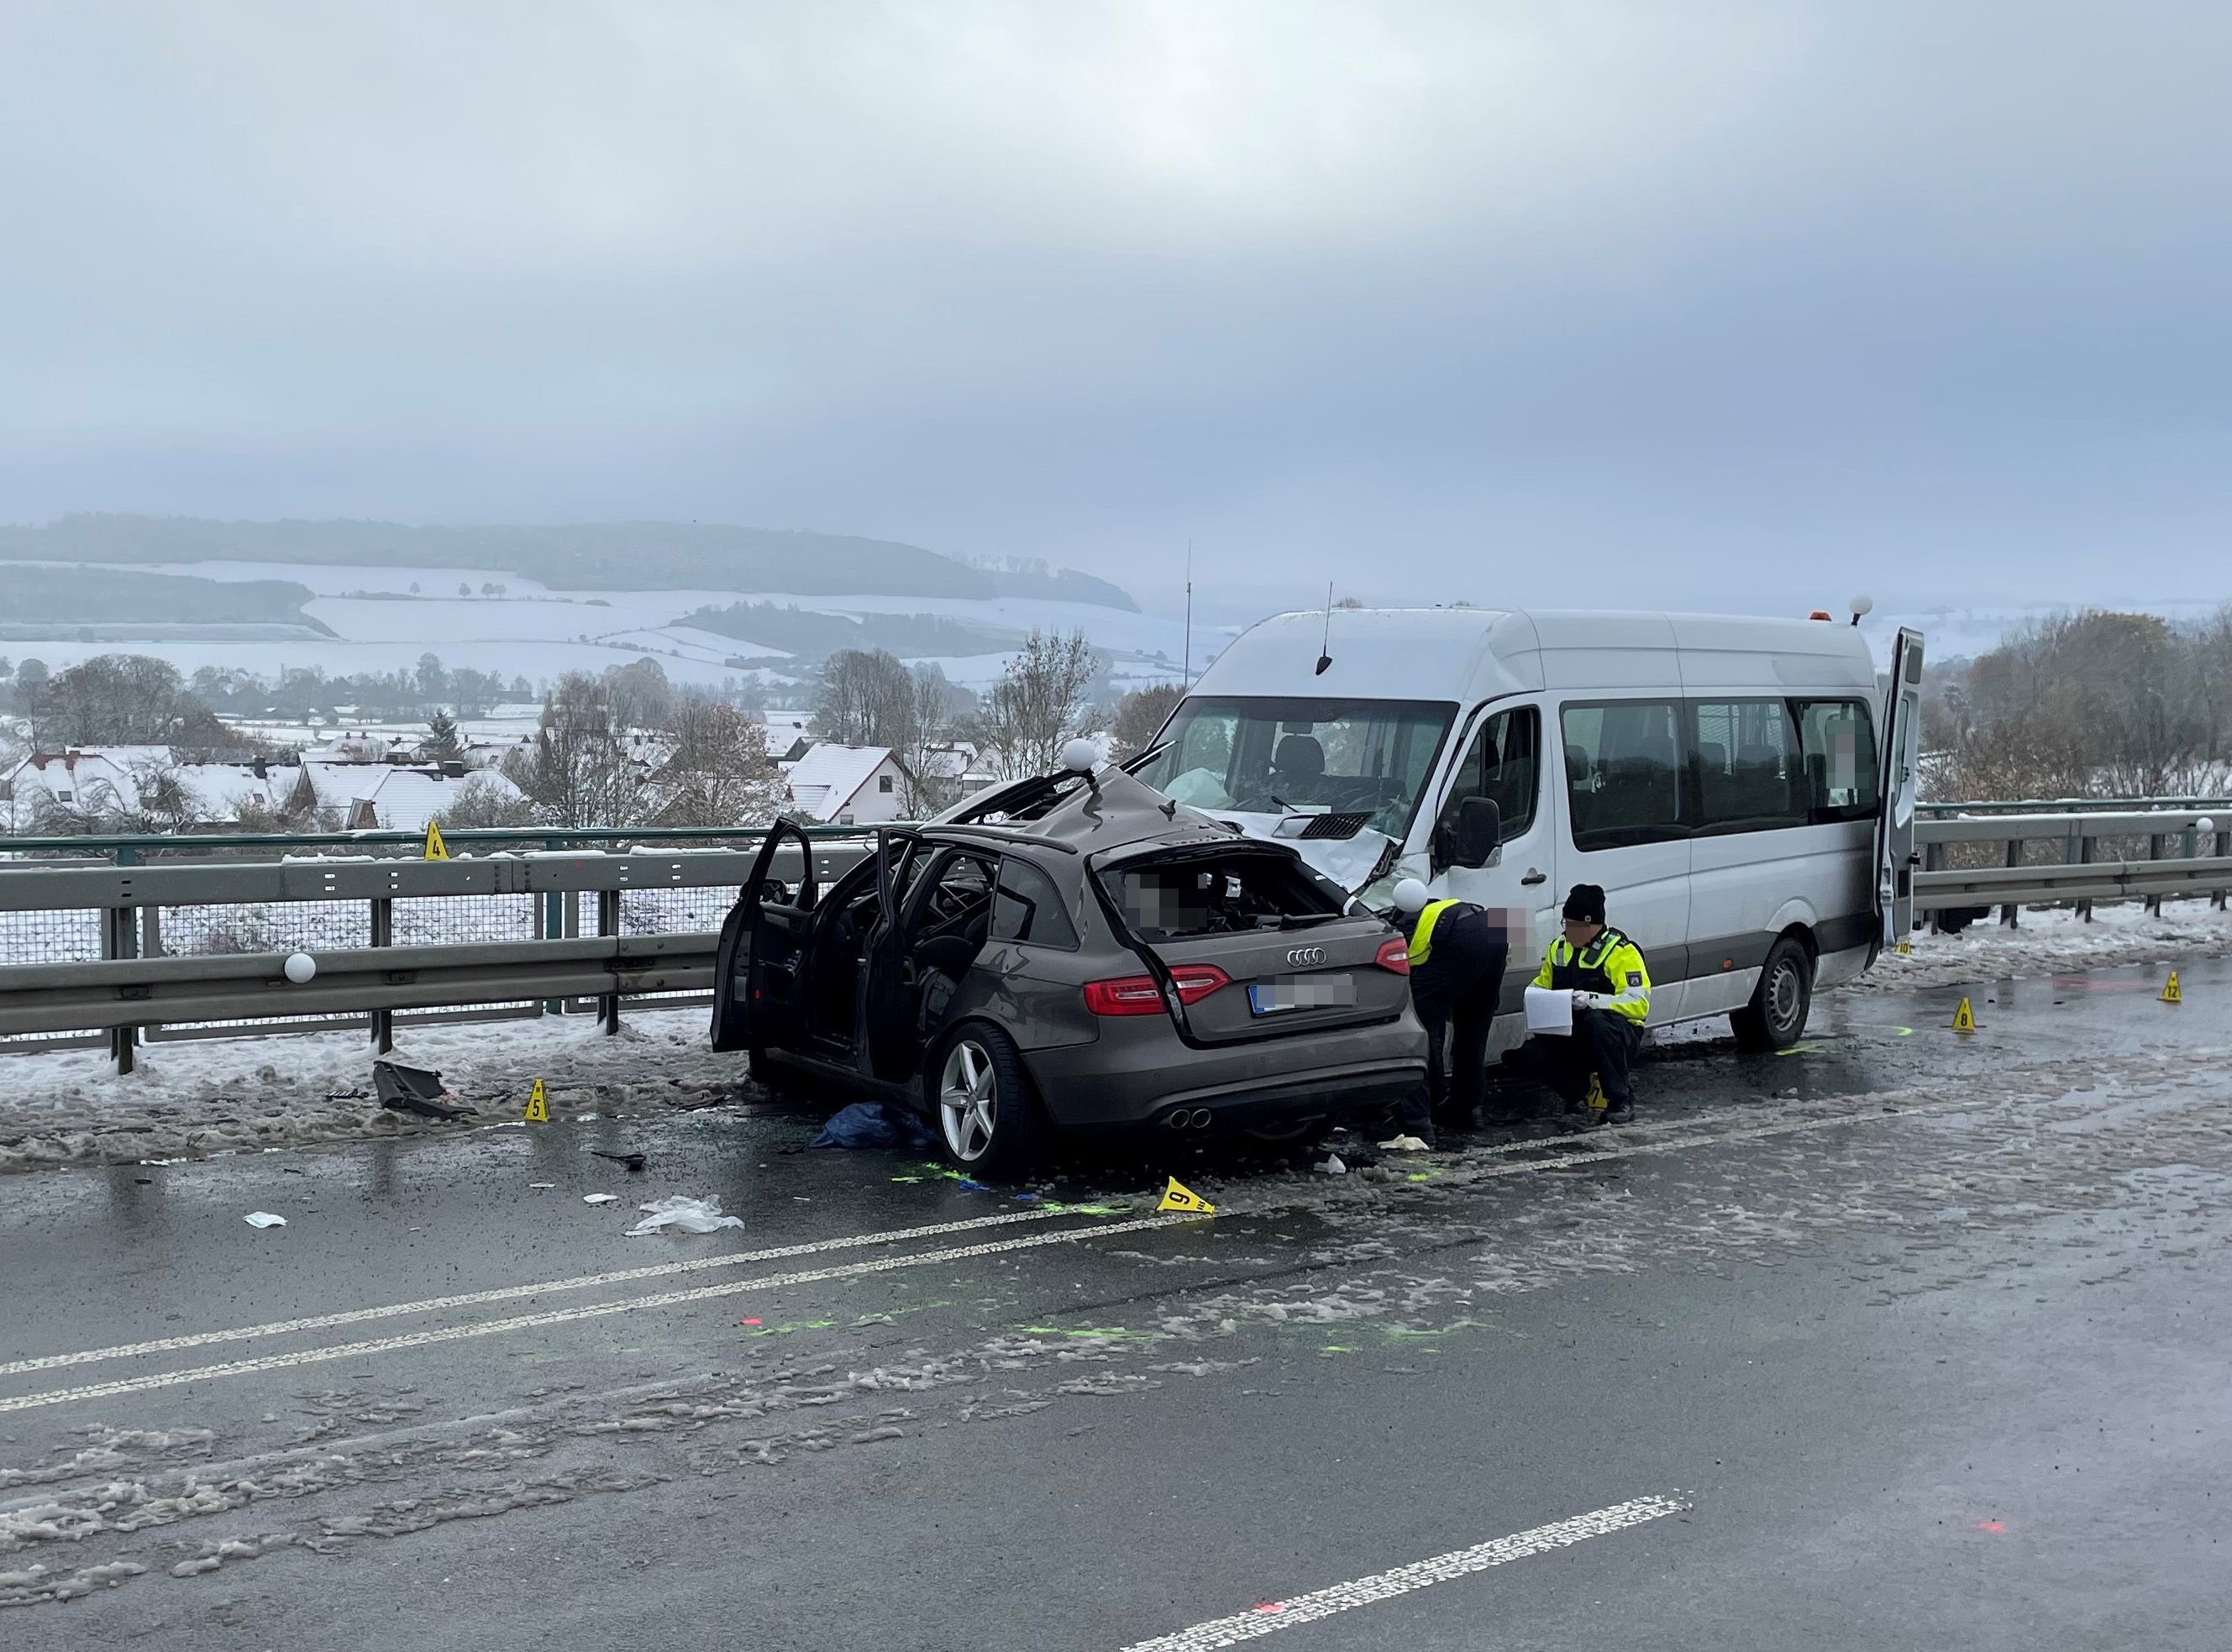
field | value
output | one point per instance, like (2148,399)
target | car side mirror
(1480,832)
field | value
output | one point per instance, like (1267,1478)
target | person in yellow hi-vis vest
(1611,986)
(1458,951)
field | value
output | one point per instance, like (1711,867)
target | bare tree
(1025,717)
(867,698)
(717,773)
(578,772)
(485,800)
(1139,716)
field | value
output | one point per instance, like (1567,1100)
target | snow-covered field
(537,632)
(203,1097)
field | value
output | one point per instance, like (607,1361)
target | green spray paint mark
(803,1325)
(1084,1210)
(1801,1049)
(906,1178)
(1096,1333)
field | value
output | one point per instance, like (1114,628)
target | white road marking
(511,1292)
(1457,1178)
(566,1316)
(1272,1615)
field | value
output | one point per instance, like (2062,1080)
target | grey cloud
(1437,300)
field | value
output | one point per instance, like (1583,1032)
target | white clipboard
(1549,1010)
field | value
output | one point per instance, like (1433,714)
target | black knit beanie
(1585,904)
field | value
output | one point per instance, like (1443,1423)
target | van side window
(1623,772)
(1745,758)
(1028,908)
(1837,739)
(1504,762)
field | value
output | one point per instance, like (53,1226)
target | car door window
(1836,739)
(1745,762)
(1623,772)
(1504,762)
(1028,908)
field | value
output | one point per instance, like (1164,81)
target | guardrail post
(383,935)
(2084,858)
(550,924)
(608,923)
(1933,860)
(119,938)
(2155,843)
(2008,909)
(2223,846)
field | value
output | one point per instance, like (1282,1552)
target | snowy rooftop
(824,780)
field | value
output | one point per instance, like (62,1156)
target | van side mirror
(1480,832)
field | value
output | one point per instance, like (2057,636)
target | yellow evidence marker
(1964,1018)
(2170,995)
(436,849)
(538,1105)
(1905,948)
(1177,1197)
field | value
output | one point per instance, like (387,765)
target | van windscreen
(1260,755)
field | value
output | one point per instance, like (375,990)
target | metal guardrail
(134,990)
(138,987)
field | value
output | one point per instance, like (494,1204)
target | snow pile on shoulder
(2054,942)
(190,1099)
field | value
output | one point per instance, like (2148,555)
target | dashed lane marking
(512,1292)
(1269,1617)
(566,1316)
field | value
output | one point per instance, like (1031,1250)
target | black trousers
(1455,991)
(1602,1043)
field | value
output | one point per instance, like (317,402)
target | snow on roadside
(2054,941)
(192,1100)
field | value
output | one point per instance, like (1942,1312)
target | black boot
(1621,1112)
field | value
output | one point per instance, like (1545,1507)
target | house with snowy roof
(848,785)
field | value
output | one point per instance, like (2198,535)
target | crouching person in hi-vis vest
(1458,952)
(1612,998)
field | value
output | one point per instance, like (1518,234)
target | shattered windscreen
(1260,755)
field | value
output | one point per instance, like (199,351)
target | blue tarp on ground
(875,1124)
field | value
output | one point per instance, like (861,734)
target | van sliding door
(1625,827)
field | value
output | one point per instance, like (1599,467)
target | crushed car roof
(1114,811)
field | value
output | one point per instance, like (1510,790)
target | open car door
(755,970)
(889,1035)
(1901,733)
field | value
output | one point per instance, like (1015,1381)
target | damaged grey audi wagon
(1072,953)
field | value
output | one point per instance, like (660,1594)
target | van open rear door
(1901,733)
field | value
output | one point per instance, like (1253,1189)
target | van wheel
(980,1098)
(1775,1018)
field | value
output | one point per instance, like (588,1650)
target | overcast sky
(1672,303)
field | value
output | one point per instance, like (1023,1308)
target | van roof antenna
(1325,647)
(1189,618)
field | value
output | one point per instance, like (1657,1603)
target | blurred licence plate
(1276,996)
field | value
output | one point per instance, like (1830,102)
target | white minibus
(1742,789)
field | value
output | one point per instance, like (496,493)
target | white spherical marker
(2204,826)
(1410,896)
(300,967)
(1081,756)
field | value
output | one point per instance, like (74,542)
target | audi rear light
(1143,995)
(1127,995)
(1195,981)
(1394,953)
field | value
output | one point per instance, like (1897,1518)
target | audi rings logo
(1303,957)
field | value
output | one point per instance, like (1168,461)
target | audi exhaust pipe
(1200,1118)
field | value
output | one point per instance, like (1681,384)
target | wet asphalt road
(1918,1338)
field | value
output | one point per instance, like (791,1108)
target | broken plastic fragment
(263,1219)
(1404,1144)
(599,1198)
(1332,1166)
